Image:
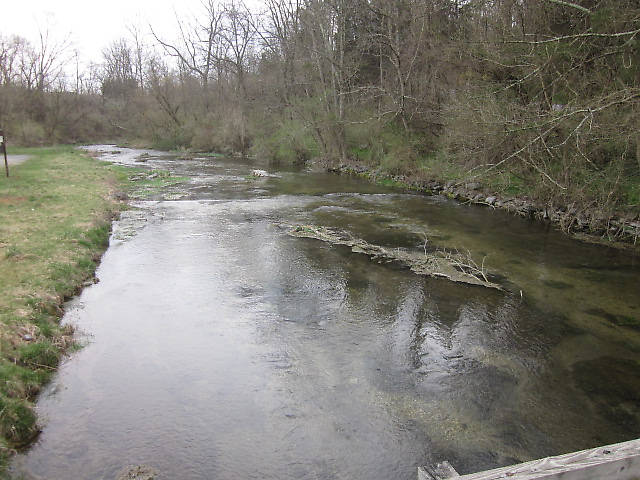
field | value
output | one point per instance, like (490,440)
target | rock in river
(137,472)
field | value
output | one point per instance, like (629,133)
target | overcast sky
(91,24)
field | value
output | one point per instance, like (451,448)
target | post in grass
(3,146)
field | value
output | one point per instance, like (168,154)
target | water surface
(220,347)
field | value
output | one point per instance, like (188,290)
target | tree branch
(572,5)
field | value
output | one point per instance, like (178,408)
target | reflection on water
(222,348)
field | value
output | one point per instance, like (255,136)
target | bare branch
(572,5)
(578,35)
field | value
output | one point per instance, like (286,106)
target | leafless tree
(198,47)
(50,56)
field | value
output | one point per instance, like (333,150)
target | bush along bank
(56,211)
(620,230)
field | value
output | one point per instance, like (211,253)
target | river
(220,347)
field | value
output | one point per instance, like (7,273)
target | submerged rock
(256,173)
(137,472)
(453,266)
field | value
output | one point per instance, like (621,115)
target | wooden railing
(620,461)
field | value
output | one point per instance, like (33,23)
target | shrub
(290,142)
(31,133)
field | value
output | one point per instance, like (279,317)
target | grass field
(55,217)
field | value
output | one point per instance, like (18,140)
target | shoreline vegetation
(56,212)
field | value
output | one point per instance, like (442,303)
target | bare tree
(120,75)
(50,57)
(237,35)
(11,53)
(139,55)
(198,45)
(279,36)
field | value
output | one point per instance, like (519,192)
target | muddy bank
(622,231)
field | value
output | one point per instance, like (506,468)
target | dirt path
(17,159)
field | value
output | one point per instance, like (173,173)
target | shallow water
(220,347)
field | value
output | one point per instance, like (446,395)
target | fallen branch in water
(467,264)
(455,267)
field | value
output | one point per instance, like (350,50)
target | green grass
(18,421)
(55,217)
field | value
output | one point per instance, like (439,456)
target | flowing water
(219,347)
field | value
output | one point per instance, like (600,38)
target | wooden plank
(441,471)
(620,461)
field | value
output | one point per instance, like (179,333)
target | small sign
(1,139)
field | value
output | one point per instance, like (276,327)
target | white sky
(92,24)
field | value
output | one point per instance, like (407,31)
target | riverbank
(621,231)
(55,218)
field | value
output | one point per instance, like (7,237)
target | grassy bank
(55,217)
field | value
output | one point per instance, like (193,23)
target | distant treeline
(527,97)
